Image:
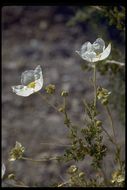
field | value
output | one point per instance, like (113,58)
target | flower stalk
(95,87)
(46,100)
(43,160)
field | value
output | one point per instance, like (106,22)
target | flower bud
(67,121)
(50,89)
(61,109)
(16,152)
(98,123)
(81,174)
(72,169)
(11,176)
(104,101)
(64,93)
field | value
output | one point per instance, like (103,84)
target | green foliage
(76,177)
(87,141)
(115,16)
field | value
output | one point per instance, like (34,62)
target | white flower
(94,52)
(31,82)
(3,170)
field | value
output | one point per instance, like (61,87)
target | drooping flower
(94,52)
(31,82)
(3,170)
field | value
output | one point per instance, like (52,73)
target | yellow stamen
(31,85)
(98,55)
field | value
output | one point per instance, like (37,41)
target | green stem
(19,183)
(64,183)
(87,107)
(85,104)
(46,100)
(110,138)
(111,122)
(95,88)
(44,159)
(66,118)
(113,129)
(55,144)
(65,111)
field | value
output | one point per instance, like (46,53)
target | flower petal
(23,90)
(88,56)
(105,53)
(3,170)
(99,45)
(87,46)
(38,84)
(39,78)
(27,77)
(38,72)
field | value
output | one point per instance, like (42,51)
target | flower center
(98,55)
(31,85)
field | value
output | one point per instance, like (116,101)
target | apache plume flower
(31,82)
(94,52)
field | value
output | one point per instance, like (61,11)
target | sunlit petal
(32,81)
(94,52)
(105,53)
(88,56)
(22,90)
(38,84)
(38,72)
(87,46)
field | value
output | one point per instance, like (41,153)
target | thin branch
(47,101)
(116,62)
(55,144)
(95,87)
(97,7)
(43,159)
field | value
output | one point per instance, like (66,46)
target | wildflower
(16,152)
(31,82)
(94,52)
(3,170)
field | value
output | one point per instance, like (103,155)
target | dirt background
(39,35)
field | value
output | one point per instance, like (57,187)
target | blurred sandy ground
(34,36)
